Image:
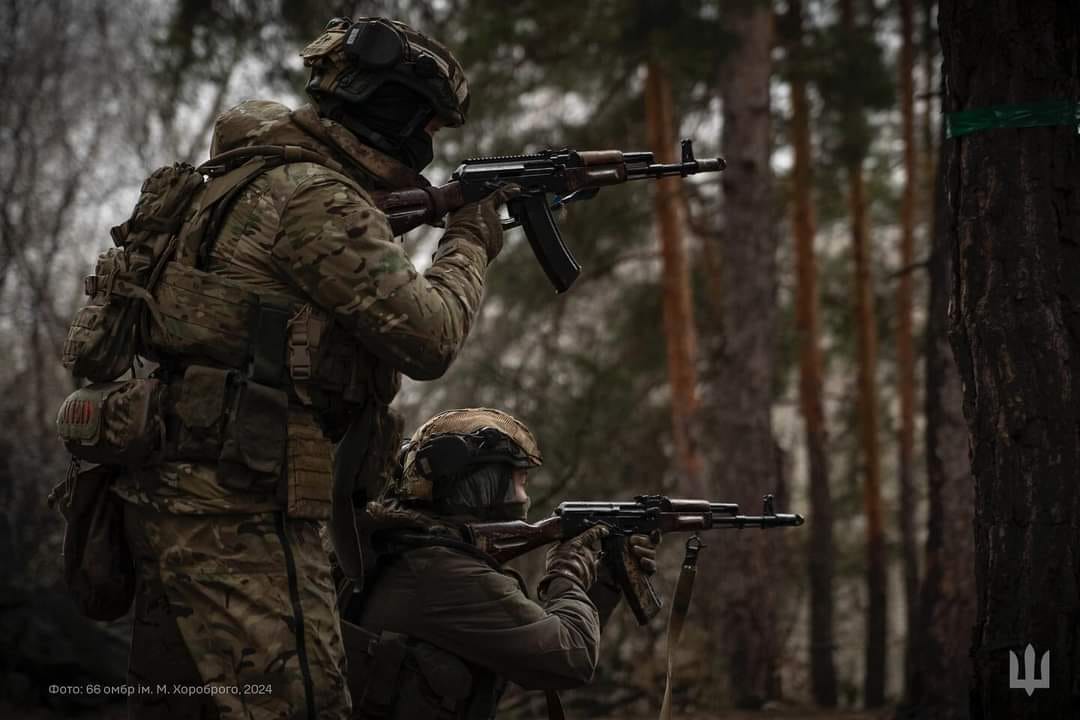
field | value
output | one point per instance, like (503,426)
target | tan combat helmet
(450,442)
(351,59)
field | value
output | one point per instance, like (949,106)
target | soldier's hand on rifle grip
(643,550)
(576,559)
(479,222)
(632,560)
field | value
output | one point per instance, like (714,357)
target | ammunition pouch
(116,423)
(396,677)
(332,373)
(98,567)
(222,416)
(282,343)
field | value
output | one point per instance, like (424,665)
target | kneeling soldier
(442,627)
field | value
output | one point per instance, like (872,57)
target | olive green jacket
(457,602)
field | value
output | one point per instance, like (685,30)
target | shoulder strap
(223,162)
(230,173)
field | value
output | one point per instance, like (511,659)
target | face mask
(417,151)
(394,118)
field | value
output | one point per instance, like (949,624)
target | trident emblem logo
(1029,682)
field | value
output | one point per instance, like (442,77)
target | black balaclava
(485,492)
(392,119)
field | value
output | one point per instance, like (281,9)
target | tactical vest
(232,361)
(202,317)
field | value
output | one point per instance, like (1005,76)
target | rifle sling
(349,455)
(680,605)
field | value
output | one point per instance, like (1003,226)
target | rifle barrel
(762,521)
(658,170)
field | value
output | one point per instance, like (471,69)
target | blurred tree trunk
(942,672)
(905,353)
(866,361)
(740,362)
(931,161)
(679,332)
(811,380)
(1014,224)
(866,338)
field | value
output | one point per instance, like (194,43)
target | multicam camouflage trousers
(235,618)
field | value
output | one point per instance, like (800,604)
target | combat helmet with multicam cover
(450,443)
(352,59)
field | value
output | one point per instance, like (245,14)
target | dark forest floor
(116,712)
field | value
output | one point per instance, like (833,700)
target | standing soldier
(442,627)
(235,607)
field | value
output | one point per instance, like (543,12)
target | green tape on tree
(1045,114)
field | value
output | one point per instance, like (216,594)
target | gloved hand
(643,549)
(576,559)
(479,221)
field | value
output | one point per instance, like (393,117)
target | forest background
(777,329)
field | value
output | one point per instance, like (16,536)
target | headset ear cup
(449,454)
(374,44)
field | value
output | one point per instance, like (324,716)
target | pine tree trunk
(905,352)
(1014,223)
(811,380)
(679,331)
(866,371)
(942,676)
(740,358)
(866,340)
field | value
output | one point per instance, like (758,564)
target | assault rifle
(568,175)
(645,515)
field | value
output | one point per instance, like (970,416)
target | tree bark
(905,352)
(679,331)
(1014,224)
(811,380)
(942,675)
(740,362)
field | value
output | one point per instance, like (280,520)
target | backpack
(177,211)
(102,340)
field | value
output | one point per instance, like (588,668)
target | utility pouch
(101,339)
(118,423)
(98,567)
(443,678)
(257,431)
(392,676)
(200,410)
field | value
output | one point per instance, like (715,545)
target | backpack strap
(230,173)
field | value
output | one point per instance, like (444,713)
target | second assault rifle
(645,515)
(568,175)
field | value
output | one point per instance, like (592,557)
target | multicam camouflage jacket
(310,234)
